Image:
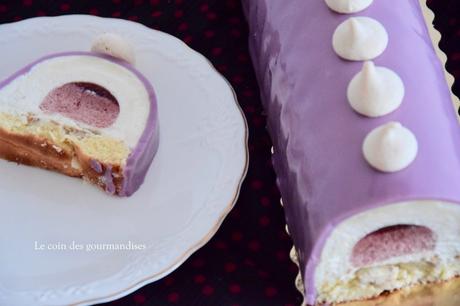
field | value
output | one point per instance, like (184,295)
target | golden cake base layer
(51,146)
(438,294)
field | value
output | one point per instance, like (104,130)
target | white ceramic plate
(191,186)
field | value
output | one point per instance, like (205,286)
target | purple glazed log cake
(84,114)
(366,142)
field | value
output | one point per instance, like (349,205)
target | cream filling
(337,280)
(25,94)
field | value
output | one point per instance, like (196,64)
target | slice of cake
(366,142)
(85,114)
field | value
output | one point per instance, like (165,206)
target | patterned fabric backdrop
(247,262)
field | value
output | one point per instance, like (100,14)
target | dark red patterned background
(247,262)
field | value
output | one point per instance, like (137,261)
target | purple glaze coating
(108,180)
(317,137)
(96,166)
(142,154)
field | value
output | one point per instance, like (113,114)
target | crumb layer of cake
(439,293)
(373,281)
(78,153)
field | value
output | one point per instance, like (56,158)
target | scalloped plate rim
(197,245)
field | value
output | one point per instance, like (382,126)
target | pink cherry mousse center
(84,102)
(393,241)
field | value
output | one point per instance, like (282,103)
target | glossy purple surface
(141,156)
(317,137)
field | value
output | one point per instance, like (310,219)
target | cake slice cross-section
(84,114)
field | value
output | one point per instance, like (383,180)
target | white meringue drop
(390,147)
(375,91)
(115,46)
(348,6)
(360,39)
